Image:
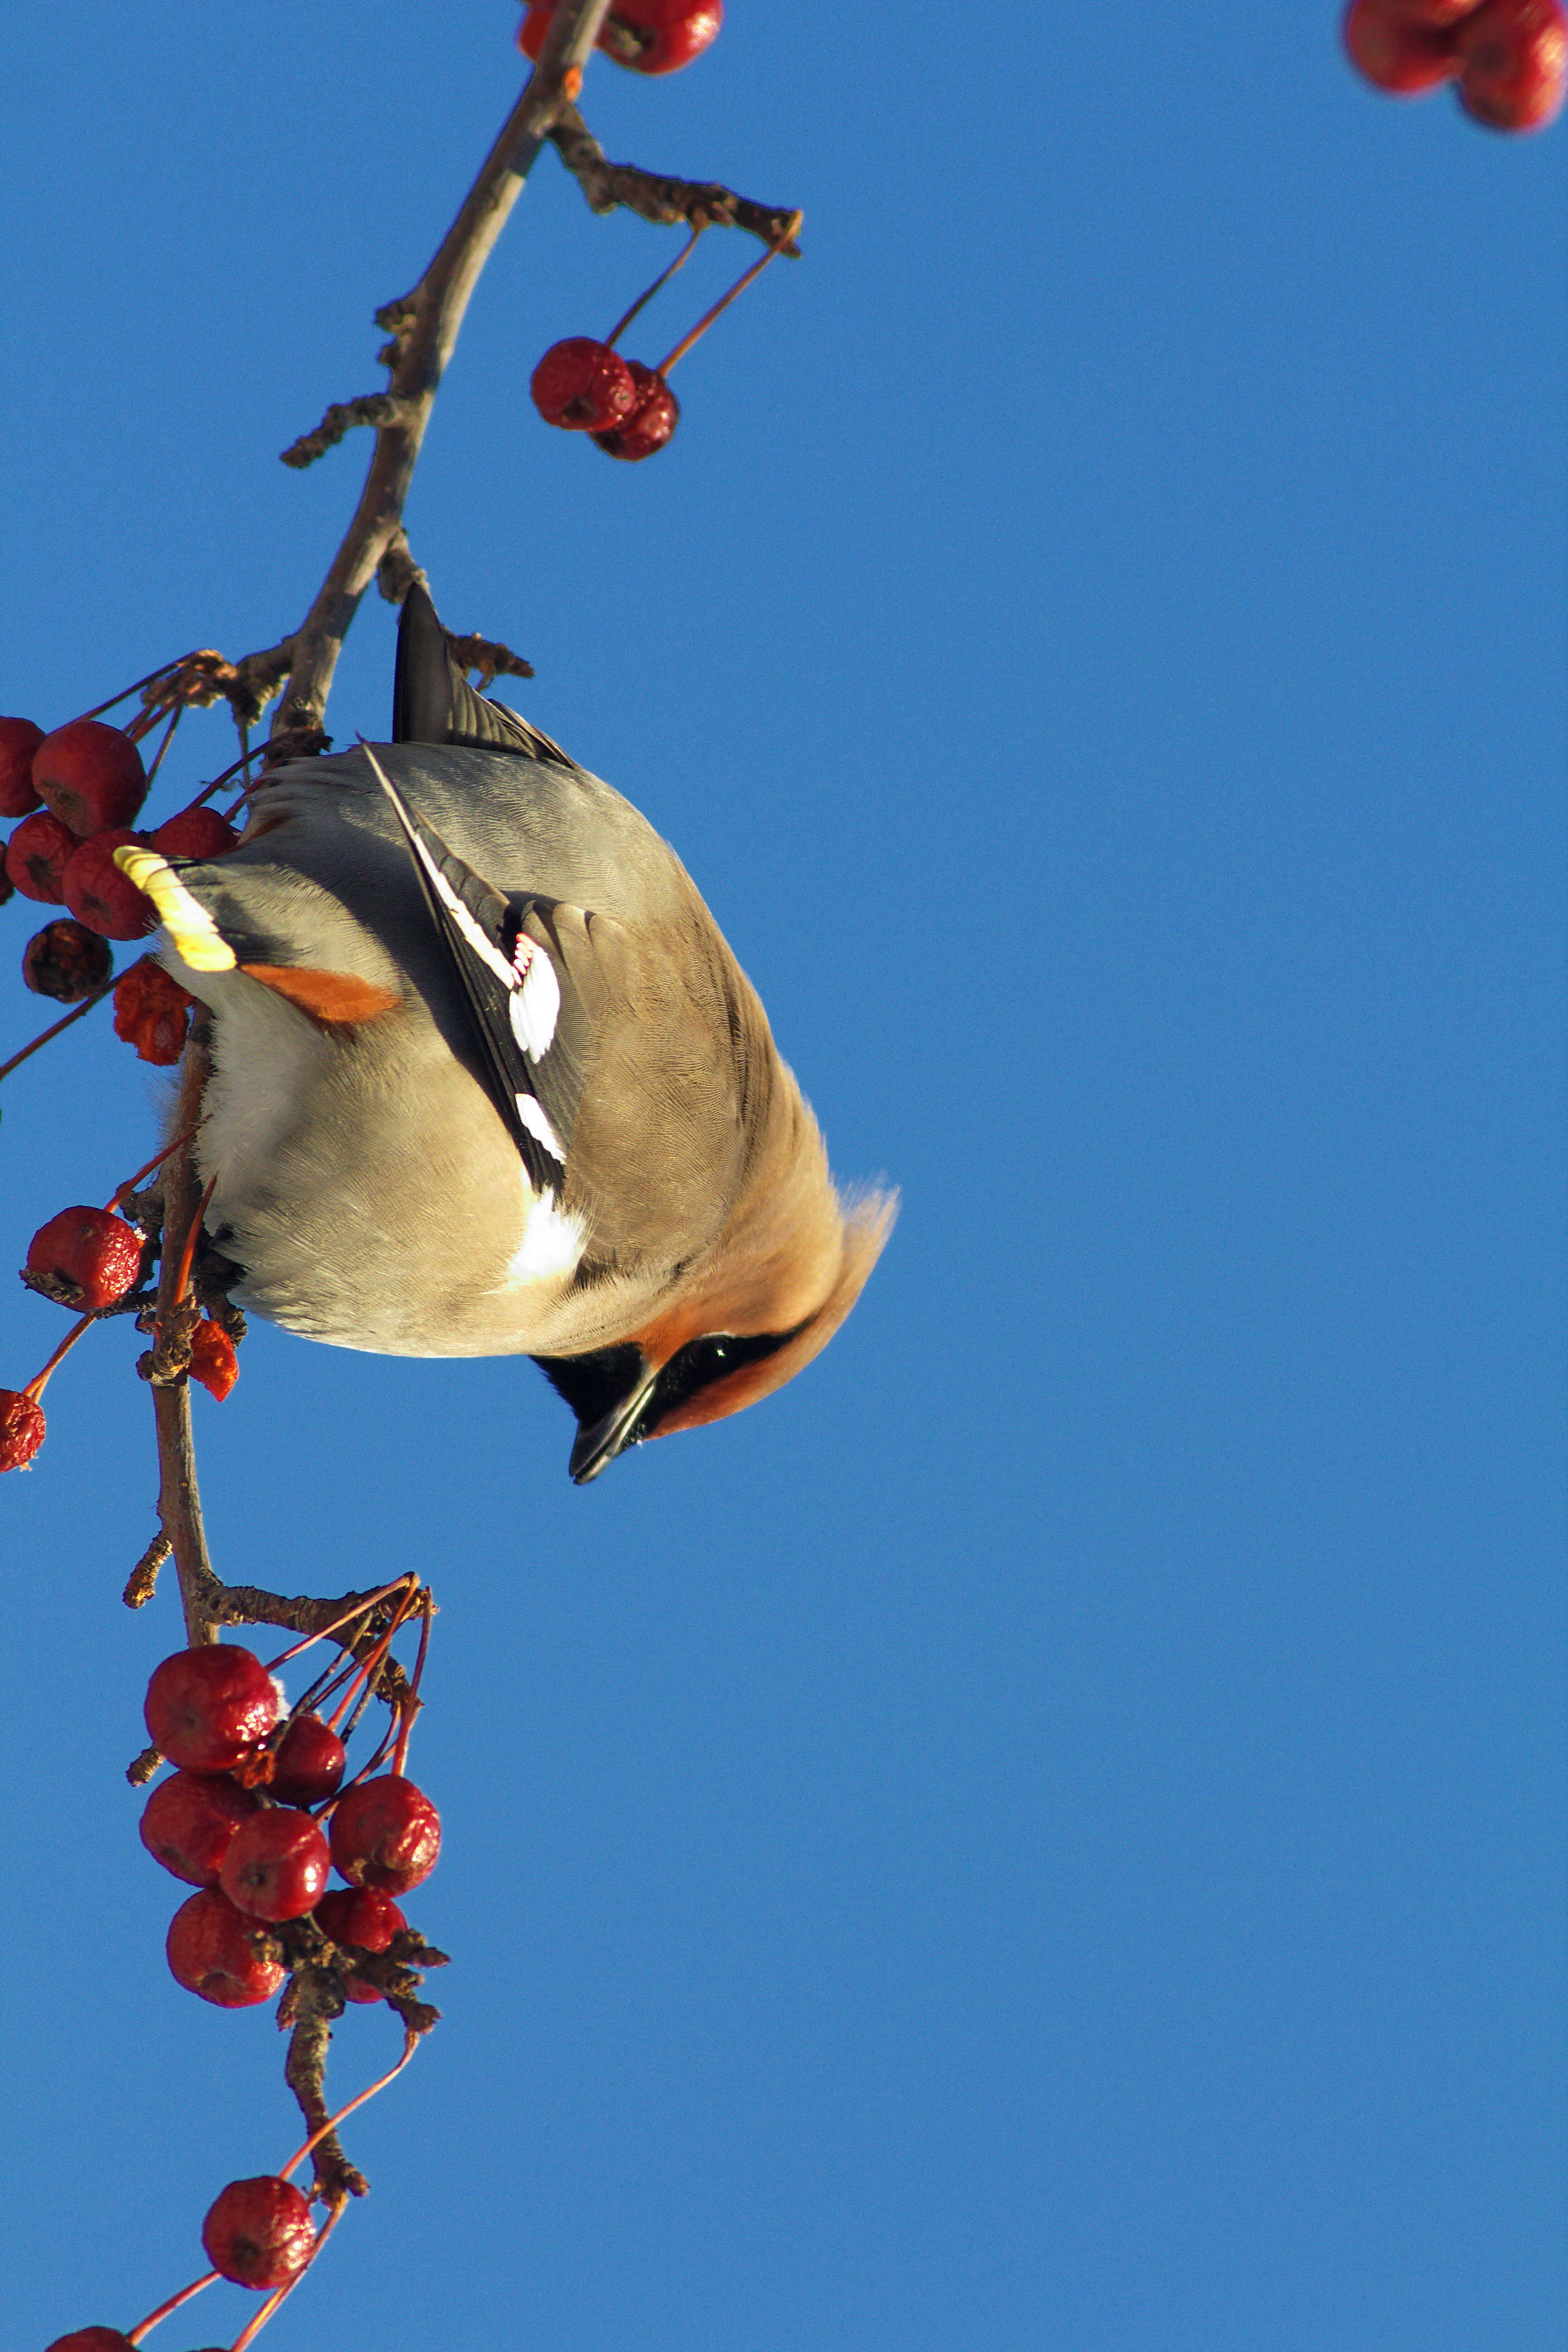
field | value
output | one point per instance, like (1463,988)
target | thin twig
(424,326)
(179,1499)
(704,203)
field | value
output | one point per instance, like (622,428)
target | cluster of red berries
(77,793)
(240,1820)
(585,387)
(90,1260)
(1508,57)
(651,36)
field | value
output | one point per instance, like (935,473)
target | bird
(486,1078)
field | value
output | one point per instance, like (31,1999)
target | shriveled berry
(259,2232)
(1513,63)
(92,2339)
(85,1258)
(195,832)
(91,775)
(276,1865)
(1395,51)
(583,386)
(215,1360)
(37,856)
(19,739)
(99,896)
(67,961)
(189,1820)
(208,1708)
(310,1761)
(364,1917)
(212,1951)
(651,422)
(386,1832)
(21,1428)
(152,1011)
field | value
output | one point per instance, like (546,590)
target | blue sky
(1045,1836)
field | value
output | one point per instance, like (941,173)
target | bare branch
(179,1499)
(369,408)
(704,203)
(425,326)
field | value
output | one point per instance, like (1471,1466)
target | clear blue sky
(1046,1836)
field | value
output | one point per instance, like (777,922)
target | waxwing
(486,1081)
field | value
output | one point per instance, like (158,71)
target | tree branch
(704,203)
(424,327)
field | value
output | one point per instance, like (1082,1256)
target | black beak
(599,1441)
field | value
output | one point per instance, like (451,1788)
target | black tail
(432,701)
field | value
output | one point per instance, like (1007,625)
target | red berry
(67,961)
(1513,61)
(207,1709)
(91,775)
(652,36)
(92,2339)
(189,1820)
(213,1359)
(386,1832)
(212,1952)
(259,2232)
(364,1917)
(21,1428)
(583,386)
(276,1865)
(85,1258)
(310,1761)
(152,1011)
(99,896)
(651,422)
(195,832)
(19,739)
(659,36)
(1395,51)
(37,856)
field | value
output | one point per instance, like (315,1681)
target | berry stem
(218,782)
(681,258)
(410,2044)
(410,1707)
(357,1610)
(166,2309)
(179,712)
(130,1183)
(786,236)
(188,1254)
(36,1386)
(164,670)
(247,2336)
(79,1014)
(371,1667)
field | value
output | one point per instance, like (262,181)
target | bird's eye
(701,1362)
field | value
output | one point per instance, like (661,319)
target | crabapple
(198,832)
(1513,63)
(91,775)
(36,855)
(99,896)
(259,2232)
(386,1832)
(19,739)
(84,1258)
(209,1708)
(308,1762)
(650,423)
(152,1011)
(365,1917)
(583,386)
(21,1428)
(1396,51)
(276,1867)
(189,1820)
(67,961)
(212,1951)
